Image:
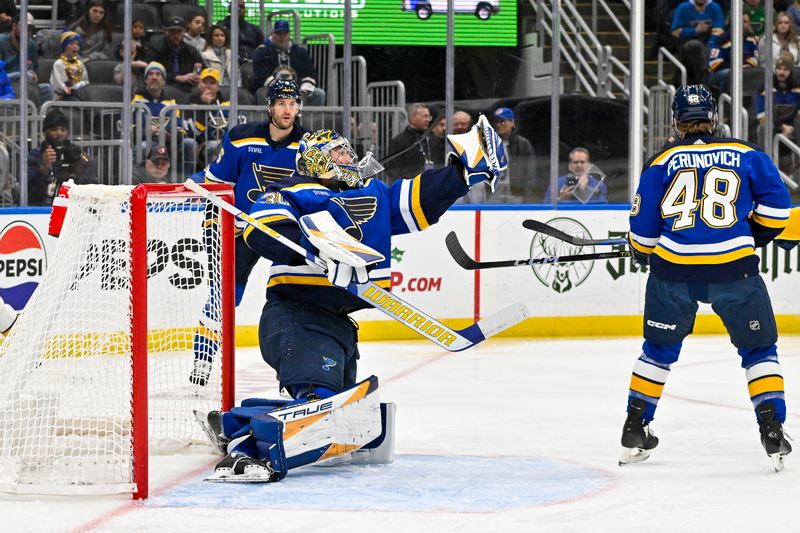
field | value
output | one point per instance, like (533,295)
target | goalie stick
(468,263)
(388,303)
(546,229)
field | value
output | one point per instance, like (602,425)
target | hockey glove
(341,274)
(786,244)
(640,258)
(479,152)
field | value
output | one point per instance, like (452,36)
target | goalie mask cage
(97,367)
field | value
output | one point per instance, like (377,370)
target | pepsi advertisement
(397,22)
(23,259)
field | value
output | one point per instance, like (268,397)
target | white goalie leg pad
(322,430)
(381,450)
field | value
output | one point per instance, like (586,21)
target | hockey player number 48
(720,189)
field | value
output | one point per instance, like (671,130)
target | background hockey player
(252,158)
(702,207)
(306,333)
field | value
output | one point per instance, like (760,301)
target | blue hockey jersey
(703,205)
(251,161)
(371,214)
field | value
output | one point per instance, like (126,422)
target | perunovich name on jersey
(704,160)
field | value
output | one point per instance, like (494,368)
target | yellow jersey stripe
(416,207)
(765,384)
(699,147)
(249,140)
(792,230)
(645,387)
(703,259)
(639,248)
(770,222)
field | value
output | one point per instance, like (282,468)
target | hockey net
(96,370)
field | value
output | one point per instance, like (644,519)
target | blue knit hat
(68,37)
(155,65)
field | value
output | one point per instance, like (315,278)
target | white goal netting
(66,368)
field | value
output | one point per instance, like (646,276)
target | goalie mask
(324,154)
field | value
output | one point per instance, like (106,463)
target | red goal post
(95,373)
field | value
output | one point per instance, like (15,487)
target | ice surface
(514,435)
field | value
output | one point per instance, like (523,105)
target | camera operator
(55,161)
(583,183)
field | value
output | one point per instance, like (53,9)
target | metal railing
(663,54)
(782,140)
(322,49)
(659,118)
(723,105)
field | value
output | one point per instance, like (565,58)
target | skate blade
(777,461)
(241,478)
(633,455)
(202,419)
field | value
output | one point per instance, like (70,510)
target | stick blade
(457,252)
(503,319)
(541,227)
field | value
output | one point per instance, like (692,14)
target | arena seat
(245,97)
(101,71)
(45,69)
(101,92)
(150,14)
(186,11)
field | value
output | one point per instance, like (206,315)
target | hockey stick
(388,303)
(546,229)
(468,263)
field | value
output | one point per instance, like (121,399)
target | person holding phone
(579,185)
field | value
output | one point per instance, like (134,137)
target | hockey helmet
(283,89)
(325,154)
(693,103)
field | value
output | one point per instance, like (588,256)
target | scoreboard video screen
(398,22)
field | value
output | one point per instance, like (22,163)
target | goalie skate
(239,468)
(212,427)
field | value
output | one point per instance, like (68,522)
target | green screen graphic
(399,22)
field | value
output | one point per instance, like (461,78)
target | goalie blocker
(264,439)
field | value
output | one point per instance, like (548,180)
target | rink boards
(577,299)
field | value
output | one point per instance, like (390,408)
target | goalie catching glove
(346,258)
(479,152)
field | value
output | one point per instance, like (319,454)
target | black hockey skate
(200,373)
(239,468)
(637,440)
(772,436)
(212,427)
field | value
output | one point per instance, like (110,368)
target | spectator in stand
(719,56)
(183,63)
(154,169)
(194,32)
(9,52)
(250,35)
(794,13)
(754,9)
(152,96)
(138,63)
(785,102)
(409,150)
(579,185)
(69,75)
(217,53)
(95,32)
(208,127)
(279,51)
(55,161)
(785,40)
(517,180)
(436,141)
(462,122)
(8,9)
(6,90)
(696,23)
